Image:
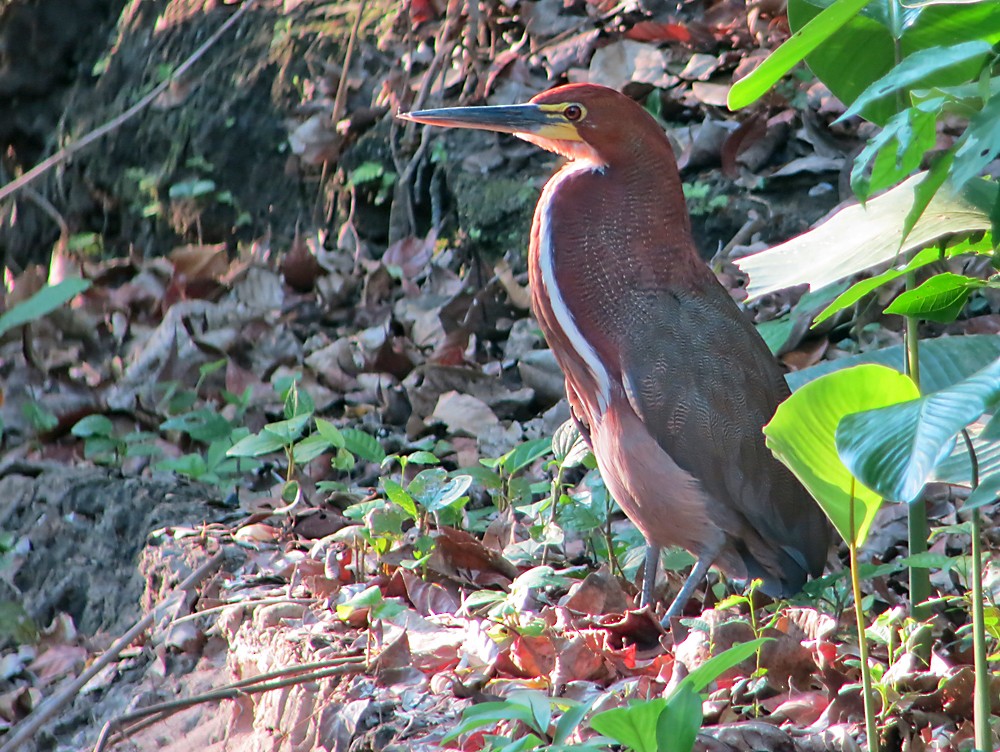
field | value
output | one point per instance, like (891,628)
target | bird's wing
(704,384)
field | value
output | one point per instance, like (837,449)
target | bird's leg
(694,580)
(649,574)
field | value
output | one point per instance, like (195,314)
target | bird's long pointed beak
(515,118)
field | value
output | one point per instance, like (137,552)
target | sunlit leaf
(399,496)
(802,434)
(524,454)
(256,445)
(719,664)
(678,724)
(860,237)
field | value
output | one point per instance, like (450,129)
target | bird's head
(579,121)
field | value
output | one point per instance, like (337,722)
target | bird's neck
(602,235)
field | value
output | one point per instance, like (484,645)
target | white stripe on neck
(547,262)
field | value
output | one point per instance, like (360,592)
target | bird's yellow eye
(573,112)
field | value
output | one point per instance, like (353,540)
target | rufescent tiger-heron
(665,376)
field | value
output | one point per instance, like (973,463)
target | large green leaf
(943,361)
(802,435)
(864,49)
(806,39)
(860,237)
(895,449)
(918,69)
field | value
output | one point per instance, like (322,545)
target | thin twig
(67,151)
(339,99)
(259,602)
(27,728)
(284,677)
(47,208)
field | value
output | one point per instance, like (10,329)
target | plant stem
(918,532)
(866,680)
(981,694)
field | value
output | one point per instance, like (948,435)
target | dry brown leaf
(463,413)
(599,593)
(200,262)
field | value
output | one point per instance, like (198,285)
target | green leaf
(633,726)
(298,402)
(941,298)
(422,457)
(201,425)
(914,130)
(860,237)
(287,431)
(524,454)
(189,465)
(291,492)
(916,69)
(987,492)
(926,191)
(331,433)
(867,46)
(309,448)
(367,598)
(894,450)
(256,445)
(488,714)
(568,445)
(752,87)
(540,706)
(678,724)
(42,303)
(571,718)
(865,286)
(777,332)
(398,496)
(992,430)
(719,664)
(363,445)
(979,145)
(93,425)
(802,434)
